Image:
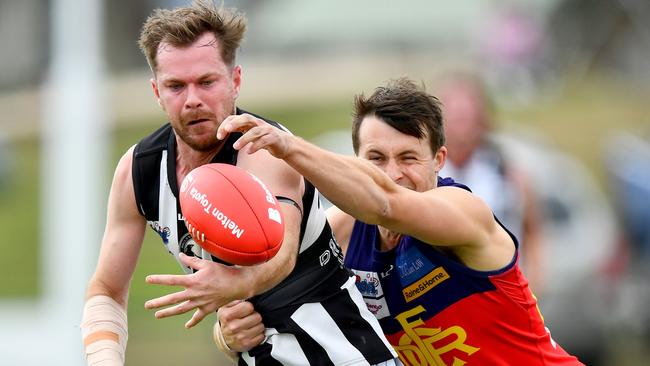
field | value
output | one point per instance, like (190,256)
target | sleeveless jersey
(314,316)
(436,311)
(487,173)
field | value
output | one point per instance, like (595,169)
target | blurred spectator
(628,162)
(475,159)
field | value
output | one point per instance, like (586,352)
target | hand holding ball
(231,214)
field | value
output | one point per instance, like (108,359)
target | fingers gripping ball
(231,214)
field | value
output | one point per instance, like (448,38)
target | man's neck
(389,239)
(188,158)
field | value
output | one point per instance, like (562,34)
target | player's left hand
(240,325)
(257,134)
(206,290)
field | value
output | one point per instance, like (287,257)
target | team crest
(188,246)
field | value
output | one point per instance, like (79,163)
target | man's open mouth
(196,121)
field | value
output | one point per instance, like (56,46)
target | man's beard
(202,144)
(198,143)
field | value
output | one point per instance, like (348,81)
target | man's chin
(204,143)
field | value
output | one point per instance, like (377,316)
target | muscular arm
(445,216)
(122,239)
(104,325)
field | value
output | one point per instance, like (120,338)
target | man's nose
(192,99)
(393,170)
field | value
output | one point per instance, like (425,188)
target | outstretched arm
(445,216)
(353,185)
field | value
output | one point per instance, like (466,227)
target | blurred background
(567,87)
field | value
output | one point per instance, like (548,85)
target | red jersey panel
(436,311)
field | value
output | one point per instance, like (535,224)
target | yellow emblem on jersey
(416,346)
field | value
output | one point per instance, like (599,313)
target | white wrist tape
(104,331)
(221,342)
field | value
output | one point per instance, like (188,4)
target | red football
(230,213)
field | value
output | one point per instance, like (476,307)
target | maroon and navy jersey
(436,311)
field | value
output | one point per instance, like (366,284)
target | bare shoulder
(124,164)
(123,170)
(122,196)
(487,246)
(342,225)
(280,178)
(472,206)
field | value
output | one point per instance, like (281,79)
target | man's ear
(440,158)
(156,92)
(236,80)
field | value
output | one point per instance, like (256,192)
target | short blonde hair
(182,26)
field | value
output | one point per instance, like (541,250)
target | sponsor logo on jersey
(387,272)
(163,231)
(422,345)
(334,250)
(378,307)
(368,284)
(412,265)
(425,284)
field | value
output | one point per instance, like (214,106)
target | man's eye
(207,82)
(175,86)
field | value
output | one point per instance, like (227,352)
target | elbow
(380,214)
(289,265)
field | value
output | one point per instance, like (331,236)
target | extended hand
(257,134)
(210,287)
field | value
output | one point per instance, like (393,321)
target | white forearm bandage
(104,332)
(221,342)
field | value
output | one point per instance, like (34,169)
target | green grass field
(577,121)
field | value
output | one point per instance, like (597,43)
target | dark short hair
(404,106)
(182,26)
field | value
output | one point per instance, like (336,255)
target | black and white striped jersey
(315,316)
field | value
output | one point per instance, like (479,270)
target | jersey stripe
(286,349)
(316,222)
(246,359)
(359,330)
(326,333)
